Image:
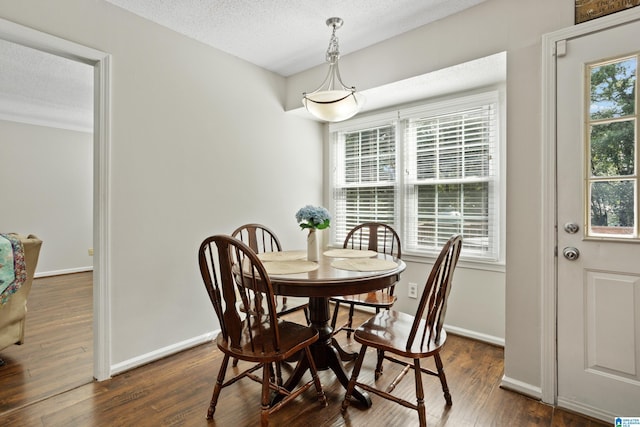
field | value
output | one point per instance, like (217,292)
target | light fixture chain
(333,51)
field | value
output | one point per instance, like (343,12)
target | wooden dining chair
(381,238)
(377,237)
(261,239)
(411,337)
(262,338)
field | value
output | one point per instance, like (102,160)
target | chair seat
(293,338)
(375,333)
(370,299)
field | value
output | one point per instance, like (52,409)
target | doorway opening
(99,63)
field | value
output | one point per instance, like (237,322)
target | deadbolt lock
(571,227)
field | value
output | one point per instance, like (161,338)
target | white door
(598,290)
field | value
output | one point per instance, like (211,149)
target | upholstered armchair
(13,313)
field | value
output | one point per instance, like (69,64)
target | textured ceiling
(44,89)
(289,36)
(284,36)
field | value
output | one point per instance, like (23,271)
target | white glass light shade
(333,105)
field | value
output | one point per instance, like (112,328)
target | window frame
(399,116)
(590,178)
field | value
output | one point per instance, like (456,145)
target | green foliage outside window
(613,145)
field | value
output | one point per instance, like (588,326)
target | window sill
(498,267)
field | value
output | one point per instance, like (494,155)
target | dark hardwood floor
(57,354)
(55,388)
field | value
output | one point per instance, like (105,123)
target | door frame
(552,47)
(101,63)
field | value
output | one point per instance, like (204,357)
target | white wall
(190,157)
(47,181)
(476,305)
(514,26)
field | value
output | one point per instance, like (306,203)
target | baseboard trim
(478,336)
(135,362)
(64,271)
(521,387)
(586,410)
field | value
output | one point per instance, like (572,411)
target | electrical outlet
(90,251)
(413,290)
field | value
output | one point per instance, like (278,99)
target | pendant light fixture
(333,101)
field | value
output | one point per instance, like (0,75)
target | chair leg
(334,318)
(350,323)
(265,400)
(316,379)
(272,373)
(378,372)
(354,378)
(218,387)
(422,412)
(443,379)
(235,362)
(278,374)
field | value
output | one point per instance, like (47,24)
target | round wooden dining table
(320,284)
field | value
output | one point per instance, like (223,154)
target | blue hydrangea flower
(313,217)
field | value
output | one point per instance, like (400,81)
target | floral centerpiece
(313,218)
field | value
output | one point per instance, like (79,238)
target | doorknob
(571,253)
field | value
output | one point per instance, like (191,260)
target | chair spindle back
(429,317)
(374,236)
(228,266)
(258,237)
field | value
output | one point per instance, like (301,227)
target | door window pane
(612,208)
(613,89)
(611,141)
(612,148)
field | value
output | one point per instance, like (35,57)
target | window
(611,172)
(448,155)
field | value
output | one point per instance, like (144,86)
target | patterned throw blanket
(13,271)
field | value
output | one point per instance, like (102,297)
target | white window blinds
(365,180)
(450,180)
(448,156)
